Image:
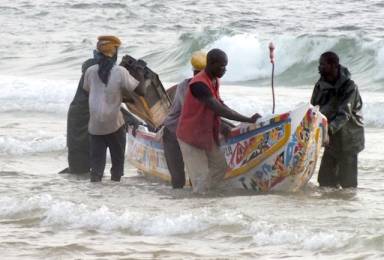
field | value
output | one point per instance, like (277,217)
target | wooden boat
(278,153)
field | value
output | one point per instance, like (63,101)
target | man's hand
(225,130)
(255,117)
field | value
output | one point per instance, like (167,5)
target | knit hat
(108,44)
(199,60)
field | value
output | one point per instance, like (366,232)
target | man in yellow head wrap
(108,45)
(172,151)
(198,61)
(105,81)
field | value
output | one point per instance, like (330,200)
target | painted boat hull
(275,154)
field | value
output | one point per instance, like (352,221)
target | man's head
(329,66)
(217,61)
(198,61)
(108,45)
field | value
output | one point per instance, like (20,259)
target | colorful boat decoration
(274,154)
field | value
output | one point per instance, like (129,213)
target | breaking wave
(296,57)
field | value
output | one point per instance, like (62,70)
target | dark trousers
(116,144)
(338,169)
(78,161)
(174,158)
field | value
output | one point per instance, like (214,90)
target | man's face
(326,69)
(219,67)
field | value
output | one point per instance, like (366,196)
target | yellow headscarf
(108,44)
(199,60)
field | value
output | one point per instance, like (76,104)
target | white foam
(31,144)
(267,234)
(33,94)
(249,100)
(11,207)
(37,95)
(248,55)
(373,114)
(69,215)
(61,214)
(380,63)
(163,223)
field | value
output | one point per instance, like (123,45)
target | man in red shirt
(172,151)
(199,124)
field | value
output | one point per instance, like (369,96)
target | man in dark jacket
(77,128)
(340,101)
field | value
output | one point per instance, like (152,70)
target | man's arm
(201,92)
(131,84)
(226,112)
(344,107)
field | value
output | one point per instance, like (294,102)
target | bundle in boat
(155,105)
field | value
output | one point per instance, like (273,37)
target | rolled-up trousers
(205,168)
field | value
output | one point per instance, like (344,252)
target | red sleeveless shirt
(198,124)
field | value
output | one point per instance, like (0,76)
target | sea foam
(61,214)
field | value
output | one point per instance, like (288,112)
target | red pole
(272,59)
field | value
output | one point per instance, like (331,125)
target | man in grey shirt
(172,150)
(106,82)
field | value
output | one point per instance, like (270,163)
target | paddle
(272,59)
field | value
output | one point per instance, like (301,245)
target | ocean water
(44,215)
